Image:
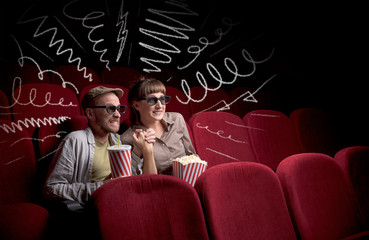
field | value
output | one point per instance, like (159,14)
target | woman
(157,136)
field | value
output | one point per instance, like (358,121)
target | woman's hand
(139,139)
(150,136)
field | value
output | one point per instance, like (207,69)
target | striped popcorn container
(120,160)
(188,168)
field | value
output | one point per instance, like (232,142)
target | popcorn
(188,168)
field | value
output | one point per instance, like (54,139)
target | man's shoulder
(77,134)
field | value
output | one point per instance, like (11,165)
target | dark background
(319,50)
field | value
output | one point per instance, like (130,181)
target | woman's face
(150,113)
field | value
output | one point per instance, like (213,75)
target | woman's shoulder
(173,115)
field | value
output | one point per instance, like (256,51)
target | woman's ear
(136,105)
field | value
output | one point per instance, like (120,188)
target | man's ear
(90,114)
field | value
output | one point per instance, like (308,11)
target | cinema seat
(354,162)
(40,104)
(244,201)
(20,216)
(271,136)
(318,198)
(4,107)
(314,130)
(220,137)
(149,207)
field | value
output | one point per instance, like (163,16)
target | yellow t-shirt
(101,165)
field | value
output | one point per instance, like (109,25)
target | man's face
(103,121)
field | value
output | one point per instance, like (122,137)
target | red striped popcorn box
(120,160)
(188,168)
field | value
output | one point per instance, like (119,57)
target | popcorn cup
(189,171)
(120,160)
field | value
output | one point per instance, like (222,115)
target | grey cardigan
(71,168)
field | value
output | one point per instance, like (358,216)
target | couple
(81,163)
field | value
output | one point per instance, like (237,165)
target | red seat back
(149,207)
(40,104)
(354,162)
(318,197)
(4,107)
(244,201)
(271,136)
(17,165)
(314,130)
(220,137)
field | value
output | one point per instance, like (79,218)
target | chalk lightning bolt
(123,32)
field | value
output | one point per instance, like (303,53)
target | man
(81,163)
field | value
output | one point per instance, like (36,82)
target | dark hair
(141,89)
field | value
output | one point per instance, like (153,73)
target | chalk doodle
(177,31)
(219,133)
(222,154)
(57,135)
(27,122)
(123,32)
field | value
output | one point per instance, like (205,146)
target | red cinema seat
(117,75)
(208,100)
(354,162)
(175,105)
(20,217)
(41,104)
(244,201)
(149,207)
(4,107)
(220,137)
(271,136)
(75,77)
(314,131)
(318,198)
(123,99)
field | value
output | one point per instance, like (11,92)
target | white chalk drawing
(264,115)
(196,49)
(53,42)
(219,133)
(13,161)
(216,75)
(57,135)
(90,17)
(27,122)
(223,154)
(123,31)
(176,28)
(244,126)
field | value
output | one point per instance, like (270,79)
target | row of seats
(307,197)
(218,138)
